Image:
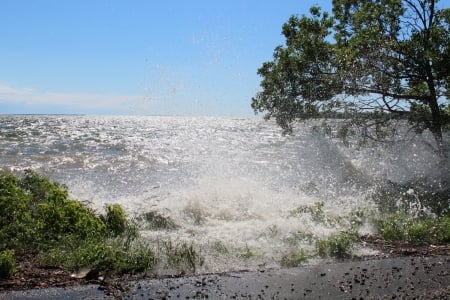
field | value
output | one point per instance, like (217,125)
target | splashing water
(233,186)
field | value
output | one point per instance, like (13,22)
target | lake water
(231,184)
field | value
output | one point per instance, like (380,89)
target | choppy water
(231,184)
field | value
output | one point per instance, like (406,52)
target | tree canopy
(374,62)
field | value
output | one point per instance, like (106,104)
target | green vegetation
(403,227)
(116,220)
(352,221)
(7,264)
(38,218)
(181,255)
(396,226)
(370,63)
(336,245)
(371,69)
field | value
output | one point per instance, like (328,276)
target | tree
(375,63)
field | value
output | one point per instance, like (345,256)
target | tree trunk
(436,118)
(436,123)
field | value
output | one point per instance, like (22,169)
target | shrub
(421,231)
(181,256)
(7,264)
(115,219)
(403,227)
(392,226)
(56,219)
(444,230)
(37,217)
(41,189)
(16,223)
(336,245)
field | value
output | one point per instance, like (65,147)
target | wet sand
(382,278)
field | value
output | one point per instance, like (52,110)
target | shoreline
(403,277)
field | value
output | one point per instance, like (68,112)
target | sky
(136,57)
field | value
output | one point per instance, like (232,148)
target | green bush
(403,227)
(392,226)
(115,219)
(336,245)
(419,231)
(37,217)
(54,214)
(16,223)
(57,218)
(444,230)
(7,264)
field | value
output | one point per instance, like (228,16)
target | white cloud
(9,91)
(67,102)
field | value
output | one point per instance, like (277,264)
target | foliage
(403,227)
(444,229)
(115,219)
(181,255)
(295,259)
(372,63)
(59,217)
(16,223)
(7,264)
(116,255)
(335,245)
(38,217)
(37,213)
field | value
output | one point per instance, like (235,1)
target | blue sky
(131,57)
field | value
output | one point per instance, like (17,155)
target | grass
(336,245)
(182,256)
(38,219)
(401,226)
